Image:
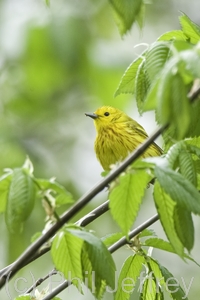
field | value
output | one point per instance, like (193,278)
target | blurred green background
(57,63)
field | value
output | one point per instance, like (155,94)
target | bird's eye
(106,113)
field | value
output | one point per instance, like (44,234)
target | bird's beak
(92,115)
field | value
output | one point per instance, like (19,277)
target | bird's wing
(140,131)
(138,128)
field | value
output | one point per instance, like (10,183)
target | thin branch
(58,290)
(30,251)
(123,241)
(94,214)
(41,280)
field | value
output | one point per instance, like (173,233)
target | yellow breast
(114,143)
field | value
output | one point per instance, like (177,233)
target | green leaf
(127,83)
(173,105)
(179,189)
(194,127)
(182,46)
(173,153)
(189,64)
(47,3)
(96,285)
(190,29)
(184,227)
(152,288)
(187,167)
(4,188)
(149,290)
(152,285)
(180,106)
(126,197)
(147,232)
(173,35)
(197,167)
(155,275)
(165,246)
(156,58)
(154,269)
(87,268)
(98,253)
(112,238)
(140,16)
(143,164)
(20,202)
(159,244)
(28,297)
(180,156)
(195,150)
(194,145)
(168,136)
(141,86)
(63,196)
(129,274)
(66,254)
(175,289)
(150,102)
(163,97)
(165,207)
(125,13)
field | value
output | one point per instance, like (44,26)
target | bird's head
(107,115)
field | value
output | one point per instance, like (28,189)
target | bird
(117,136)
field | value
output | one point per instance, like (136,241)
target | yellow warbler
(117,136)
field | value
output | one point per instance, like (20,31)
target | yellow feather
(117,136)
